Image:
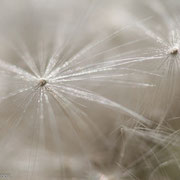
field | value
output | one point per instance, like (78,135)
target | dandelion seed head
(76,94)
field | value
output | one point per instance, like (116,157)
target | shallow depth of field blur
(89,89)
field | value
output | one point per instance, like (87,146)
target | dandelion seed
(67,100)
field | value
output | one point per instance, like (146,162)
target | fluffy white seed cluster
(89,90)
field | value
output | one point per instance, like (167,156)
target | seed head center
(42,82)
(174,51)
